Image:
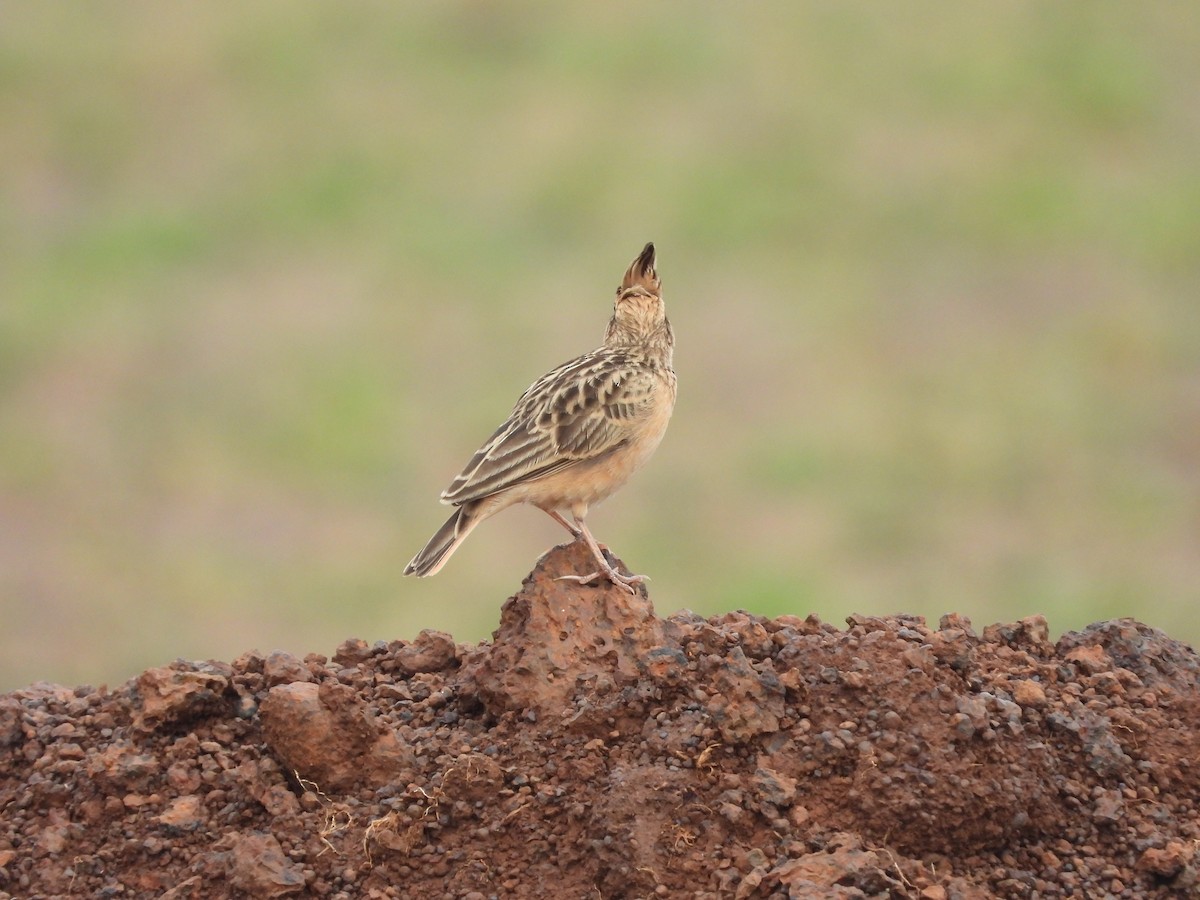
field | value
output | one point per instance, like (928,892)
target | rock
(1105,756)
(53,840)
(1031,633)
(1028,693)
(183,813)
(748,631)
(748,701)
(956,622)
(281,667)
(171,695)
(119,767)
(954,648)
(1168,861)
(775,787)
(328,736)
(1090,659)
(666,664)
(11,732)
(554,633)
(842,861)
(432,651)
(353,651)
(1108,808)
(1146,652)
(921,657)
(255,863)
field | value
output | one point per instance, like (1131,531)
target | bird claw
(600,552)
(624,582)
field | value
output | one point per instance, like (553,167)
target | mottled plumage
(578,432)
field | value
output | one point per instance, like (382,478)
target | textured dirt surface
(594,750)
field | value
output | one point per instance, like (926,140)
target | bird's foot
(624,582)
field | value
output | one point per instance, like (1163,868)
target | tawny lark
(577,433)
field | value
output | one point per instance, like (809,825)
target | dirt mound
(594,750)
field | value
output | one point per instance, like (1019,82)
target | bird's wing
(580,411)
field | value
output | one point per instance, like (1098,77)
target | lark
(577,434)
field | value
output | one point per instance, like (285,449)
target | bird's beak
(641,271)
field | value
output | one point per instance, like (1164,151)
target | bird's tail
(446,541)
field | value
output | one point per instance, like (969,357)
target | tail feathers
(434,555)
(641,272)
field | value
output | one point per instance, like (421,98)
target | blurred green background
(269,273)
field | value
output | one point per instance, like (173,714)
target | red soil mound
(594,750)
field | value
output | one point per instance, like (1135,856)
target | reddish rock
(842,861)
(555,634)
(1169,861)
(281,667)
(1031,633)
(11,732)
(1029,693)
(353,651)
(775,787)
(255,863)
(432,651)
(748,700)
(175,694)
(183,813)
(119,767)
(327,735)
(1090,659)
(956,622)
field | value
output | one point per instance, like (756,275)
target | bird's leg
(557,517)
(625,582)
(575,532)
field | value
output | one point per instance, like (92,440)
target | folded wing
(580,411)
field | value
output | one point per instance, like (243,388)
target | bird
(577,433)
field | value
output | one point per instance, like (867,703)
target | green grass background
(270,272)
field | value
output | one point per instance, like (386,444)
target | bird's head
(639,314)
